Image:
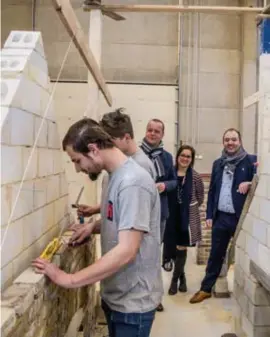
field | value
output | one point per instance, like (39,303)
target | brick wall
(33,185)
(203,248)
(252,315)
(34,307)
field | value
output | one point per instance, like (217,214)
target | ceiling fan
(96,4)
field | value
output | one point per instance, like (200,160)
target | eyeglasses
(185,156)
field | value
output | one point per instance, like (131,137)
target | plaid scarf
(230,162)
(154,156)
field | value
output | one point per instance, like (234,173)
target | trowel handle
(81,219)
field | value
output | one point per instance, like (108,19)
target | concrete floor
(212,318)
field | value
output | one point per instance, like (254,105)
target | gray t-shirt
(132,202)
(141,158)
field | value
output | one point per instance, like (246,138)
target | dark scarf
(154,156)
(229,162)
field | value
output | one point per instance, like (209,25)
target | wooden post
(71,23)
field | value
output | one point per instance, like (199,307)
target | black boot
(183,283)
(178,271)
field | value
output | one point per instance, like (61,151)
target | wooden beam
(250,100)
(72,25)
(261,276)
(180,9)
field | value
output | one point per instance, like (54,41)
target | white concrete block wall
(255,322)
(34,190)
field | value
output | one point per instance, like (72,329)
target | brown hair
(117,124)
(156,120)
(181,149)
(85,132)
(230,130)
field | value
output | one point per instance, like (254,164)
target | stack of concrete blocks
(33,185)
(203,249)
(35,307)
(252,314)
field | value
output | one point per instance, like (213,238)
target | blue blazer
(170,181)
(244,171)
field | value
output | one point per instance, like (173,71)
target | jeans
(128,324)
(223,230)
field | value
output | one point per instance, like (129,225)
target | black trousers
(223,230)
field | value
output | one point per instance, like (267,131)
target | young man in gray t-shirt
(129,269)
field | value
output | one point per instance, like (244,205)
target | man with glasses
(231,178)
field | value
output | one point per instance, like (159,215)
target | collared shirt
(225,203)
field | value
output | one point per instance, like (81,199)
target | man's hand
(81,232)
(244,187)
(209,223)
(86,211)
(161,187)
(57,275)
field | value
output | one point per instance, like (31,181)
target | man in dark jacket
(231,178)
(152,146)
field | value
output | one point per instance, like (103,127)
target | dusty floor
(211,318)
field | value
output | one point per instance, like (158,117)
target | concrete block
(8,320)
(11,241)
(9,89)
(5,204)
(261,331)
(262,188)
(49,216)
(241,240)
(30,277)
(259,315)
(63,184)
(58,166)
(22,199)
(265,210)
(25,40)
(247,326)
(248,223)
(40,193)
(239,276)
(53,188)
(11,164)
(268,237)
(60,209)
(245,263)
(41,132)
(254,208)
(45,162)
(30,161)
(5,125)
(6,276)
(53,136)
(22,128)
(260,230)
(256,293)
(31,64)
(33,227)
(252,246)
(264,258)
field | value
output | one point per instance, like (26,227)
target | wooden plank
(250,100)
(180,9)
(71,23)
(262,277)
(247,204)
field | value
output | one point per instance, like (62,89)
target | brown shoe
(199,297)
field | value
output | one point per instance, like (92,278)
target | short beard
(93,176)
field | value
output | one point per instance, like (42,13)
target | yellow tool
(51,248)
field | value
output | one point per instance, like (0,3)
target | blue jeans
(128,325)
(223,230)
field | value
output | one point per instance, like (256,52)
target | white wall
(143,102)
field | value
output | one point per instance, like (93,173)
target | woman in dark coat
(183,228)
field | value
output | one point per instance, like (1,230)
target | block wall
(34,194)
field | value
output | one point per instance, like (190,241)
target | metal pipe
(178,9)
(34,2)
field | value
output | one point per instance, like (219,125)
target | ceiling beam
(73,26)
(180,9)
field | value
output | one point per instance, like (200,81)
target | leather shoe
(199,297)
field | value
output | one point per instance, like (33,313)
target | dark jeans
(223,230)
(128,325)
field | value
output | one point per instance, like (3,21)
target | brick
(264,258)
(53,136)
(30,157)
(11,241)
(265,210)
(259,315)
(53,188)
(25,40)
(22,199)
(41,132)
(8,320)
(40,193)
(45,162)
(11,164)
